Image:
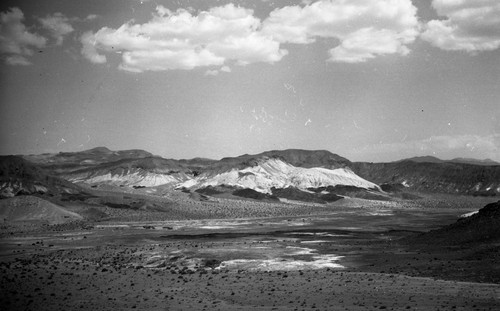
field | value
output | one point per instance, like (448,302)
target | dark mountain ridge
(297,157)
(63,162)
(486,162)
(153,164)
(423,159)
(431,159)
(20,177)
(457,178)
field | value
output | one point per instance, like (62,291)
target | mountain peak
(424,159)
(296,157)
(474,161)
(98,150)
(432,159)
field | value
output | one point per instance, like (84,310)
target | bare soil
(179,258)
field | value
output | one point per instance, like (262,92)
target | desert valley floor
(194,254)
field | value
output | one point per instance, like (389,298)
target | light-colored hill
(136,177)
(273,172)
(140,172)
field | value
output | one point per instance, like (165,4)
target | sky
(370,80)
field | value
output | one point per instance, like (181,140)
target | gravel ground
(104,262)
(110,279)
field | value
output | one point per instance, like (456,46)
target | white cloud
(230,34)
(91,17)
(469,25)
(16,41)
(89,49)
(365,28)
(17,60)
(214,72)
(165,59)
(182,40)
(366,43)
(58,25)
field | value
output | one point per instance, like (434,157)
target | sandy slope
(30,208)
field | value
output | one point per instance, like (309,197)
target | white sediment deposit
(272,172)
(128,178)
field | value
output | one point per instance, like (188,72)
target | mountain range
(433,177)
(303,173)
(431,159)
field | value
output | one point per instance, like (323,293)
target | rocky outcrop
(20,177)
(478,228)
(454,178)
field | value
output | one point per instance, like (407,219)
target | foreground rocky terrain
(357,255)
(62,284)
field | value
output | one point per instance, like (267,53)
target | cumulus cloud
(89,50)
(16,41)
(468,25)
(58,25)
(182,40)
(232,34)
(365,28)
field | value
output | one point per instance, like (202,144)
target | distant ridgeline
(434,177)
(314,176)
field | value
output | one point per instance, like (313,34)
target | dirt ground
(88,280)
(337,259)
